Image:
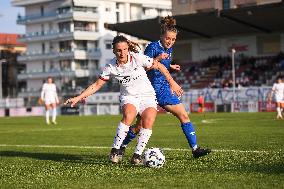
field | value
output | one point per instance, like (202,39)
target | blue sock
(189,133)
(130,136)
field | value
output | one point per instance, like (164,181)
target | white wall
(202,48)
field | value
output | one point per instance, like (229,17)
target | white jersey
(278,89)
(131,76)
(48,93)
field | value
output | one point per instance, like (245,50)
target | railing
(245,2)
(82,53)
(55,14)
(25,2)
(46,35)
(43,74)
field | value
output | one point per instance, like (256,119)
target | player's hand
(73,101)
(162,56)
(175,88)
(175,67)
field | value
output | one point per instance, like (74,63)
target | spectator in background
(200,101)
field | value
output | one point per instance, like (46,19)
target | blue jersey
(158,80)
(153,50)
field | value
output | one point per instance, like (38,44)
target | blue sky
(8,18)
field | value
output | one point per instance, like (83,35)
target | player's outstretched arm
(175,67)
(87,92)
(174,86)
(162,56)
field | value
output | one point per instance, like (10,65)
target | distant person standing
(50,98)
(278,91)
(200,101)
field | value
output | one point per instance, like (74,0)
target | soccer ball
(154,157)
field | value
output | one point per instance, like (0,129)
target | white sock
(143,138)
(47,116)
(54,114)
(120,135)
(279,111)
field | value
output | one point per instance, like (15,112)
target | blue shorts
(164,95)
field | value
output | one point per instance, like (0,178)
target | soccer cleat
(113,156)
(47,122)
(279,117)
(121,152)
(136,159)
(54,122)
(199,152)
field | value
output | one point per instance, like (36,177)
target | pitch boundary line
(105,147)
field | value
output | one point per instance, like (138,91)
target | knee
(148,122)
(127,119)
(183,117)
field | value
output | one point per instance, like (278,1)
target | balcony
(75,54)
(45,36)
(39,74)
(78,34)
(204,5)
(262,2)
(28,2)
(23,93)
(85,34)
(245,2)
(82,73)
(36,18)
(79,14)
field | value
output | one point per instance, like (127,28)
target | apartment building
(195,6)
(66,39)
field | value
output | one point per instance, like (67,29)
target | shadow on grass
(86,159)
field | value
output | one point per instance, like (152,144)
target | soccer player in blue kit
(162,51)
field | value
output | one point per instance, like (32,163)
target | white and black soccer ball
(154,157)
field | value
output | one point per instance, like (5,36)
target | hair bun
(169,21)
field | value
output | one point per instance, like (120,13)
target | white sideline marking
(105,147)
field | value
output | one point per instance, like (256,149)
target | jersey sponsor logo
(127,79)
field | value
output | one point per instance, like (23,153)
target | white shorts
(140,103)
(279,99)
(50,100)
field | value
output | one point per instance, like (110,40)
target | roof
(10,39)
(246,20)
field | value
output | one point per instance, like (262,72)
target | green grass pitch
(248,152)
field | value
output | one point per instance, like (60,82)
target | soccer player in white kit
(137,96)
(278,91)
(50,98)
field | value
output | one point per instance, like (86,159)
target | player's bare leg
(47,108)
(129,114)
(278,109)
(54,113)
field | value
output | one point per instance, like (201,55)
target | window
(64,27)
(81,64)
(43,48)
(43,66)
(226,4)
(41,10)
(182,1)
(117,17)
(107,9)
(108,45)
